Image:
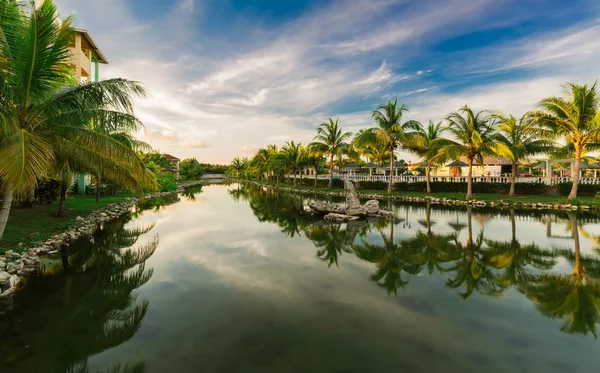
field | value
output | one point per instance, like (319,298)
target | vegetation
(51,125)
(573,120)
(190,169)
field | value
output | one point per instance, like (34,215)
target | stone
(339,218)
(4,277)
(351,195)
(2,265)
(372,207)
(356,210)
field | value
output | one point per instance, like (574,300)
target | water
(240,279)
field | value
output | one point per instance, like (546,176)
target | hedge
(582,189)
(498,188)
(310,181)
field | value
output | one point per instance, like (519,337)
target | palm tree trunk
(98,187)
(428,172)
(391,183)
(294,173)
(575,233)
(331,171)
(63,196)
(513,179)
(575,175)
(469,226)
(5,210)
(316,177)
(470,181)
(513,225)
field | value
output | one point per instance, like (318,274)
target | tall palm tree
(390,132)
(44,113)
(427,143)
(575,118)
(293,155)
(237,166)
(475,137)
(329,141)
(521,138)
(574,298)
(315,161)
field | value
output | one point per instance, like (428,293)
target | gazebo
(350,168)
(455,168)
(370,166)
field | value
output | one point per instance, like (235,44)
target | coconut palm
(237,166)
(427,143)
(474,137)
(574,117)
(515,259)
(330,141)
(293,157)
(574,298)
(44,114)
(390,132)
(521,137)
(314,161)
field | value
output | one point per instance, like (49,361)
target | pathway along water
(240,279)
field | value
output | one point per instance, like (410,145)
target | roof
(171,157)
(587,166)
(370,165)
(400,165)
(491,161)
(93,45)
(350,166)
(457,164)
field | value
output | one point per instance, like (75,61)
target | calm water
(240,279)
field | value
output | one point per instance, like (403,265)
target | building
(85,57)
(174,161)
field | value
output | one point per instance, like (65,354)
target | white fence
(451,179)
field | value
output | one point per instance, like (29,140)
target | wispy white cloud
(230,99)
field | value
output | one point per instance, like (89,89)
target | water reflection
(82,303)
(464,257)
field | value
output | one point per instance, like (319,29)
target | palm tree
(44,114)
(293,157)
(522,139)
(475,137)
(575,297)
(390,132)
(315,161)
(330,140)
(237,166)
(427,143)
(574,117)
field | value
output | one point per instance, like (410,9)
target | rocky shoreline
(15,267)
(441,201)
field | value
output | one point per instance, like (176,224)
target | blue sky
(230,76)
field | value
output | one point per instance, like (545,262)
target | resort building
(85,57)
(174,161)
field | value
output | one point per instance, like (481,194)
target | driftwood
(352,210)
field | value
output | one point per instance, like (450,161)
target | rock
(339,217)
(372,207)
(2,265)
(356,210)
(323,207)
(351,195)
(4,277)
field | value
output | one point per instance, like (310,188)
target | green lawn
(39,223)
(488,197)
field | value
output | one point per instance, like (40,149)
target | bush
(48,190)
(166,183)
(190,169)
(372,185)
(582,190)
(498,188)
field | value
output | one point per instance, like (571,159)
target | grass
(30,225)
(487,197)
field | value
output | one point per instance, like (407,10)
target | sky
(227,77)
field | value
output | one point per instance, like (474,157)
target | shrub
(582,190)
(372,185)
(498,188)
(48,190)
(166,183)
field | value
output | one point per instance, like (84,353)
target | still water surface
(234,278)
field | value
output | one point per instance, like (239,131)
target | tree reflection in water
(88,302)
(475,264)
